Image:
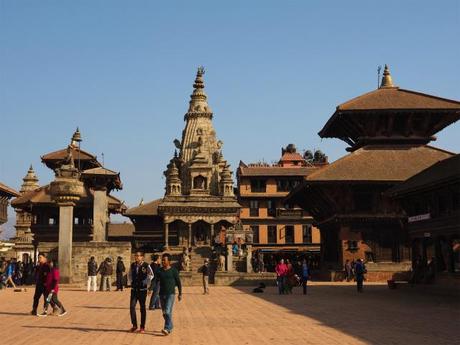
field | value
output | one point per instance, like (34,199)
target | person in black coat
(120,271)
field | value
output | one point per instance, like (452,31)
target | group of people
(265,262)
(355,270)
(47,285)
(15,273)
(158,280)
(288,276)
(105,269)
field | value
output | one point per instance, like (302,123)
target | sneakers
(42,314)
(133,329)
(142,330)
(62,313)
(165,331)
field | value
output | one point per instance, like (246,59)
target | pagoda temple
(199,200)
(388,131)
(73,209)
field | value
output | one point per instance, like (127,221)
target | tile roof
(120,229)
(148,209)
(440,172)
(381,163)
(10,192)
(396,98)
(42,195)
(292,156)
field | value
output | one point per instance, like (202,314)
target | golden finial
(387,81)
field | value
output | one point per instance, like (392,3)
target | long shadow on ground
(377,316)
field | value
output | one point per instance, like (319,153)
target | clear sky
(275,71)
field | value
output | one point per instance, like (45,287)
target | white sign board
(419,217)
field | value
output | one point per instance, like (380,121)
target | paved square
(329,314)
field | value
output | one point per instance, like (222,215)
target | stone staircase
(197,256)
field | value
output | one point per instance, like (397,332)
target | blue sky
(275,70)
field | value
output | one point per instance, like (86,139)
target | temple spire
(199,100)
(30,181)
(387,80)
(76,138)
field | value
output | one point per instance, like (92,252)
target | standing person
(205,271)
(155,298)
(260,261)
(348,270)
(52,289)
(120,270)
(139,276)
(281,271)
(168,278)
(359,274)
(41,272)
(106,271)
(10,274)
(290,280)
(92,275)
(305,275)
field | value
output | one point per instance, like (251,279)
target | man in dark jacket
(41,272)
(360,269)
(120,271)
(155,298)
(139,276)
(92,274)
(106,271)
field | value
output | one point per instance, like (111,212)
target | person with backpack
(139,276)
(92,275)
(52,289)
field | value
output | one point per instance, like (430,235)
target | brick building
(278,228)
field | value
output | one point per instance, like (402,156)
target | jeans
(141,296)
(167,303)
(54,301)
(92,283)
(39,291)
(359,282)
(105,283)
(304,285)
(155,298)
(280,281)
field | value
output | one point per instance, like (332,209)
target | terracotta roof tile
(381,163)
(120,230)
(295,156)
(441,171)
(10,192)
(148,209)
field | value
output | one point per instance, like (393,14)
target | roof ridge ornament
(387,80)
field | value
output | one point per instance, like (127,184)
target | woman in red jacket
(52,289)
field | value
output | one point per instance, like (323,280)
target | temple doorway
(201,232)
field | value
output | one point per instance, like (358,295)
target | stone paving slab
(331,313)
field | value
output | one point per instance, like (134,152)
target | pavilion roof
(440,172)
(87,159)
(148,209)
(267,171)
(8,191)
(380,163)
(120,229)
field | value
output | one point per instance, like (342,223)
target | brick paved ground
(330,314)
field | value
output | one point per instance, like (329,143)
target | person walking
(348,270)
(41,272)
(10,271)
(155,298)
(120,271)
(92,275)
(304,275)
(281,271)
(52,289)
(168,278)
(205,271)
(359,274)
(139,276)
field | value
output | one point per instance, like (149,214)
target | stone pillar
(229,258)
(189,235)
(166,235)
(65,241)
(100,207)
(212,232)
(248,259)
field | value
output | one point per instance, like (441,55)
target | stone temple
(199,204)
